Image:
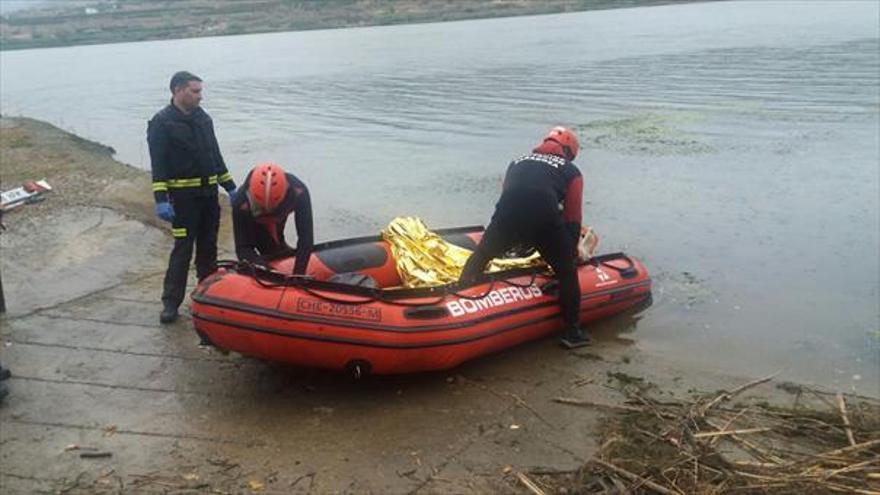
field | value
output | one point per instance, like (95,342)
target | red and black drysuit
(540,206)
(263,236)
(187,167)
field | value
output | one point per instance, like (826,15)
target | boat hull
(318,326)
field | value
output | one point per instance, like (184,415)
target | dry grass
(708,445)
(81,173)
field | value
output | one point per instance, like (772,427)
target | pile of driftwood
(710,445)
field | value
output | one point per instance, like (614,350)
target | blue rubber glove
(165,211)
(233,195)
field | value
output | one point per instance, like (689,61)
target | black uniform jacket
(185,155)
(264,236)
(552,185)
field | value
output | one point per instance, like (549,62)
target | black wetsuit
(540,207)
(264,236)
(187,167)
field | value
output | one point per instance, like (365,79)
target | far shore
(100,22)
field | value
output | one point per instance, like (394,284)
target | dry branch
(634,477)
(729,422)
(530,484)
(841,404)
(586,403)
(733,393)
(851,449)
(849,489)
(744,431)
(751,447)
(854,467)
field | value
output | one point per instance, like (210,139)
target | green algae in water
(647,134)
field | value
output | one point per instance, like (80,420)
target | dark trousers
(536,222)
(196,223)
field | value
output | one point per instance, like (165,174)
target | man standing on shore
(187,167)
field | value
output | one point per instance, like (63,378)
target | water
(732,146)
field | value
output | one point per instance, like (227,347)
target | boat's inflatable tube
(372,327)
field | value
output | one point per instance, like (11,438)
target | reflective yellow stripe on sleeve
(184,183)
(225,178)
(192,182)
(159,186)
(178,233)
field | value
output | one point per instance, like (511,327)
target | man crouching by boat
(540,206)
(259,214)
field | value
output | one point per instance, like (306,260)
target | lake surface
(732,146)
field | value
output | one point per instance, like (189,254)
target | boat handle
(425,312)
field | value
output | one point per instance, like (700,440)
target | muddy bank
(105,400)
(95,229)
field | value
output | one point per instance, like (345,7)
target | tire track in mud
(516,402)
(115,351)
(122,387)
(62,304)
(155,434)
(98,320)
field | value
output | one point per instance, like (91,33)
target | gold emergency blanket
(424,259)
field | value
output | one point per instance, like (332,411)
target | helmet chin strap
(255,206)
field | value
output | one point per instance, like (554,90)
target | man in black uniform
(4,375)
(259,215)
(540,206)
(187,167)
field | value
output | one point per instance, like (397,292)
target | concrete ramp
(51,259)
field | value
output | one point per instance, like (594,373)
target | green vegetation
(647,134)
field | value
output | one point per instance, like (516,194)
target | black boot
(575,337)
(204,341)
(4,375)
(169,314)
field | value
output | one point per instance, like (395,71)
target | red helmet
(560,141)
(268,186)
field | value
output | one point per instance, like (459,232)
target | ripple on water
(461,183)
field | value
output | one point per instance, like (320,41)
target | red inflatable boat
(316,322)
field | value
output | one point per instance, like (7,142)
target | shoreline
(81,171)
(142,20)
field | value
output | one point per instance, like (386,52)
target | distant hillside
(112,21)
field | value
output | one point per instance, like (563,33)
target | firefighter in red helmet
(259,214)
(540,207)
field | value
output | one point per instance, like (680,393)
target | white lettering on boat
(604,278)
(338,310)
(494,299)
